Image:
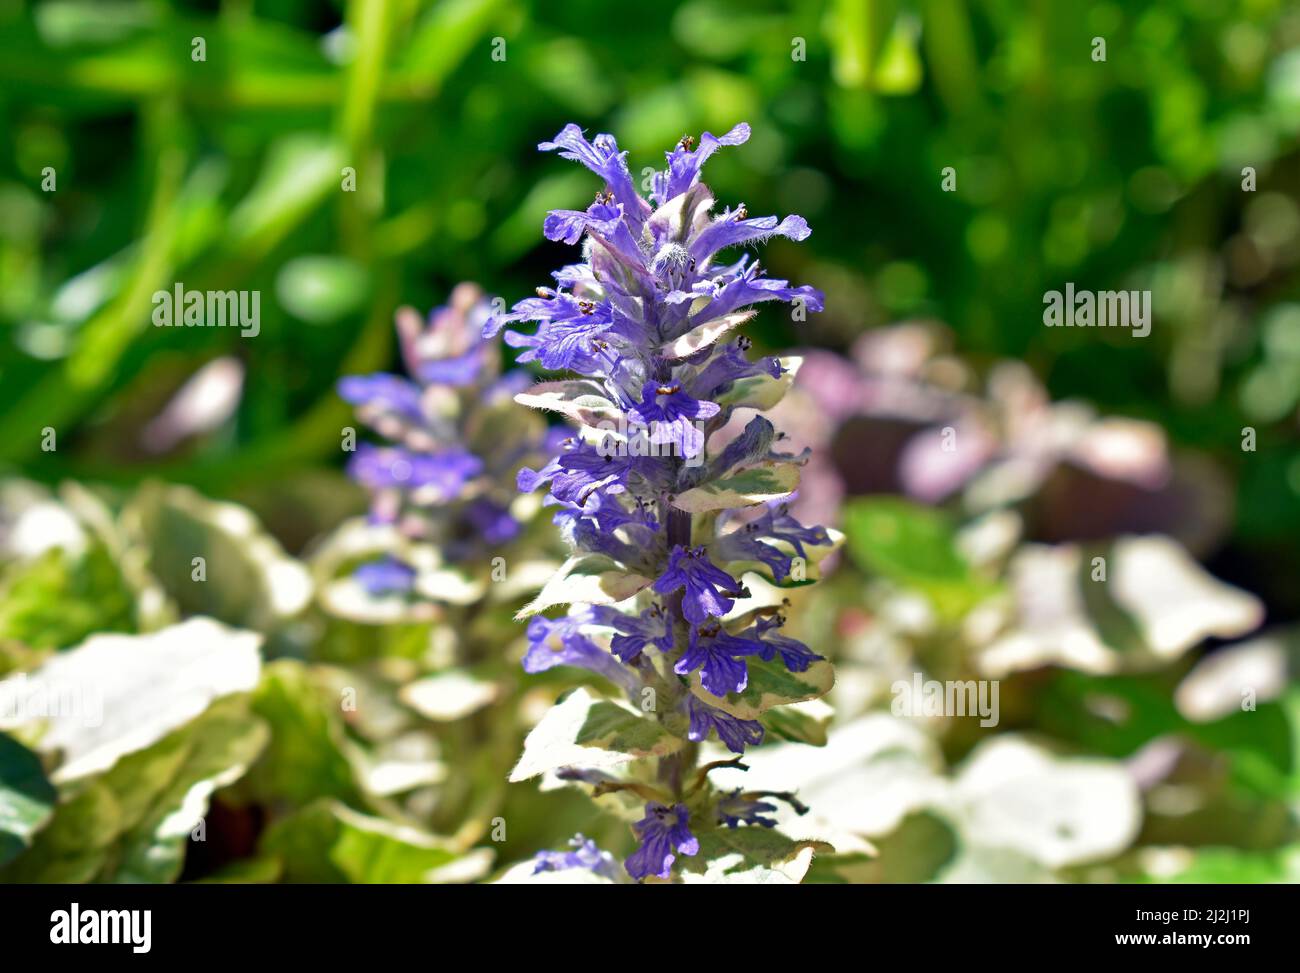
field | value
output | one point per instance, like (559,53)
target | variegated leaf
(592,579)
(593,733)
(703,335)
(761,392)
(742,488)
(770,684)
(580,400)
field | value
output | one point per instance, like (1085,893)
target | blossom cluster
(442,477)
(663,540)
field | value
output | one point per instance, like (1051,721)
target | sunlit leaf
(585,731)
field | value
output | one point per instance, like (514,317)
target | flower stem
(676,769)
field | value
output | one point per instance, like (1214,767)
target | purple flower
(663,834)
(602,157)
(796,656)
(745,544)
(735,733)
(582,469)
(494,522)
(707,586)
(735,809)
(386,576)
(436,476)
(671,416)
(382,394)
(585,854)
(714,652)
(729,365)
(427,481)
(639,319)
(742,284)
(757,541)
(776,522)
(733,228)
(567,339)
(684,165)
(636,632)
(560,642)
(463,369)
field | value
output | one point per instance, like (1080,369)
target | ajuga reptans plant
(446,522)
(439,479)
(670,537)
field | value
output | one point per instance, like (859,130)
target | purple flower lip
(385,577)
(663,834)
(707,586)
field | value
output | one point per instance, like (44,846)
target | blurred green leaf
(330,843)
(915,547)
(26,798)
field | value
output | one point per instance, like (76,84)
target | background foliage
(227,174)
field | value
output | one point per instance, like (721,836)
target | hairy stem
(676,769)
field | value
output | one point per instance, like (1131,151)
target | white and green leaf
(770,684)
(591,579)
(752,485)
(581,400)
(590,732)
(704,335)
(761,392)
(750,856)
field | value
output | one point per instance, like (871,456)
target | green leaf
(322,289)
(917,850)
(915,547)
(117,694)
(26,797)
(750,856)
(59,598)
(770,684)
(592,579)
(305,759)
(450,695)
(1233,866)
(804,722)
(218,749)
(131,823)
(761,392)
(245,577)
(299,172)
(744,488)
(329,842)
(589,732)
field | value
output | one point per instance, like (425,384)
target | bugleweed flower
(445,524)
(585,854)
(440,481)
(664,529)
